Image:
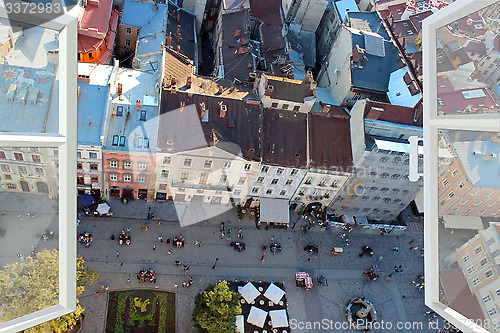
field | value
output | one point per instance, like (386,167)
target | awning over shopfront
(463,222)
(274,210)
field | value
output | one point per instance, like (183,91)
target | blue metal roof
(137,14)
(376,72)
(344,5)
(91,111)
(137,86)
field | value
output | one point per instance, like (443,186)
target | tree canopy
(216,309)
(33,285)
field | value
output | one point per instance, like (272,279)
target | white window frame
(432,123)
(66,143)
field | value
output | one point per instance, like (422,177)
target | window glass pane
(29,231)
(469,233)
(28,79)
(467,65)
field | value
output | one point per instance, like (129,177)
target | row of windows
(92,166)
(127,165)
(21,169)
(274,181)
(366,210)
(269,191)
(91,155)
(20,156)
(114,177)
(81,179)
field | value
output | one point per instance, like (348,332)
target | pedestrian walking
(222,226)
(160,238)
(169,251)
(97,293)
(228,237)
(263,255)
(154,247)
(272,238)
(396,249)
(117,254)
(215,263)
(128,280)
(146,227)
(175,285)
(128,229)
(380,258)
(229,230)
(222,235)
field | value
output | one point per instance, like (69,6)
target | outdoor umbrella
(85,200)
(249,292)
(257,317)
(274,293)
(103,208)
(278,318)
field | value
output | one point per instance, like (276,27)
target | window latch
(414,175)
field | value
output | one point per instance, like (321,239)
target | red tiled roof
(455,101)
(395,114)
(416,19)
(329,141)
(284,138)
(97,17)
(88,44)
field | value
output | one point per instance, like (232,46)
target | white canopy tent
(257,317)
(274,210)
(103,208)
(240,324)
(274,293)
(463,222)
(278,318)
(249,292)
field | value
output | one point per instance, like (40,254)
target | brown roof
(289,89)
(330,141)
(273,43)
(193,128)
(284,138)
(404,28)
(459,294)
(177,66)
(393,113)
(236,56)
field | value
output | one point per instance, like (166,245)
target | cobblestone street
(396,300)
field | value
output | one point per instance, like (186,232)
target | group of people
(85,238)
(238,246)
(179,241)
(146,275)
(372,273)
(124,238)
(366,250)
(275,248)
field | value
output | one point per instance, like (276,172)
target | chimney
(172,81)
(178,30)
(156,7)
(374,113)
(223,109)
(202,113)
(178,16)
(178,48)
(78,92)
(308,78)
(120,89)
(181,109)
(140,1)
(137,103)
(188,82)
(179,38)
(326,108)
(313,85)
(173,13)
(269,90)
(169,40)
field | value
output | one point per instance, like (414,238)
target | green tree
(216,308)
(33,285)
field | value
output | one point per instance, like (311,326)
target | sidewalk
(27,203)
(138,209)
